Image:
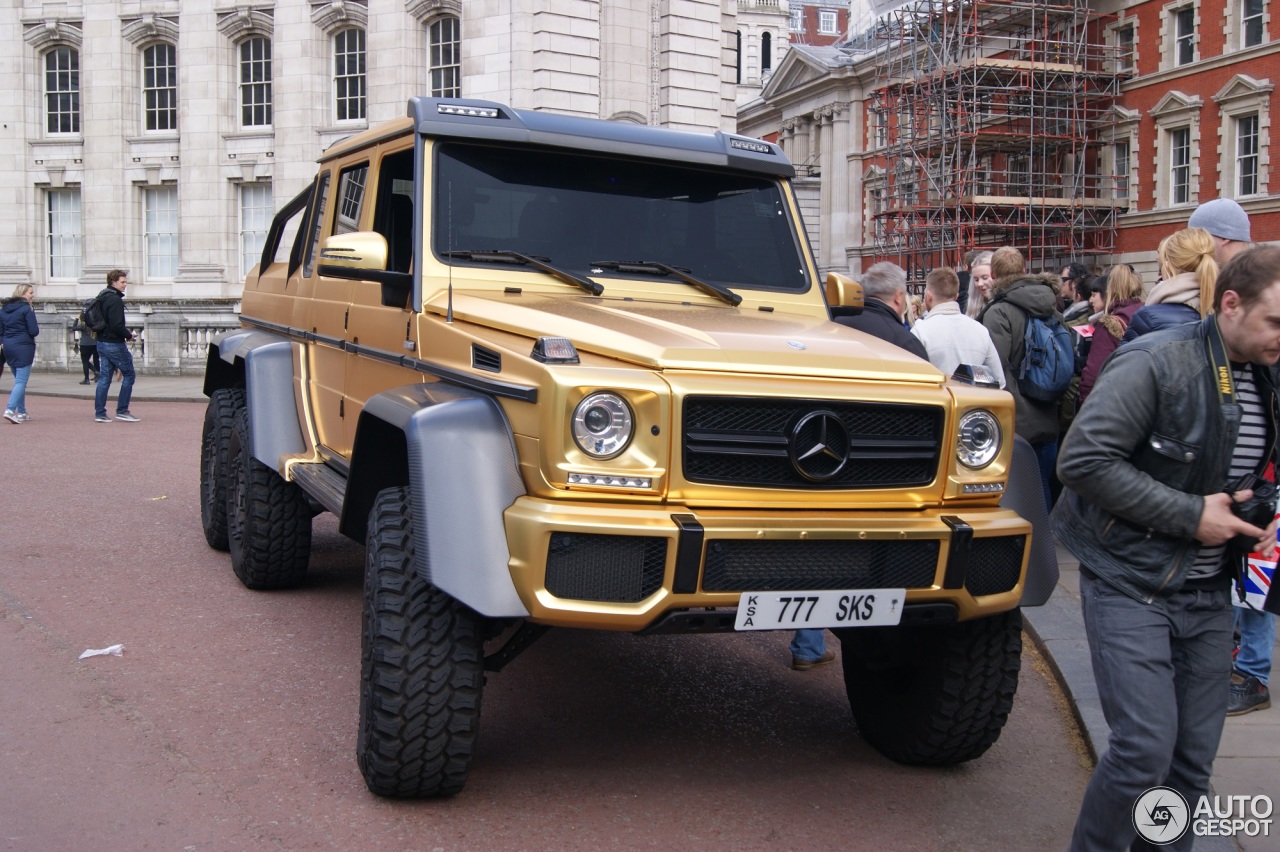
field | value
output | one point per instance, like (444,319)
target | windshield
(574,209)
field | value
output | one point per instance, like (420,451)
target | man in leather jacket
(1174,417)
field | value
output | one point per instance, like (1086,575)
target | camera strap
(1220,363)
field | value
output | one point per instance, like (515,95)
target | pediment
(1176,102)
(1242,86)
(798,67)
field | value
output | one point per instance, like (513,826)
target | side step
(326,486)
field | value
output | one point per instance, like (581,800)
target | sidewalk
(1248,761)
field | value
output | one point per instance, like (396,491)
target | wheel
(933,696)
(219,417)
(422,668)
(268,518)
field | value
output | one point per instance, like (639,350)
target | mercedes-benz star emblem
(819,445)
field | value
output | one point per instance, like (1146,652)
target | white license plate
(795,610)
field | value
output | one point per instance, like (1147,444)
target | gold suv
(560,372)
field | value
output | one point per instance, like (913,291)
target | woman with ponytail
(1188,275)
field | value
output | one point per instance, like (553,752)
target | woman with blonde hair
(1121,303)
(979,285)
(18,330)
(1188,275)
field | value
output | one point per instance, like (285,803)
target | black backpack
(94,317)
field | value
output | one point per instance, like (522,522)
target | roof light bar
(475,112)
(748,145)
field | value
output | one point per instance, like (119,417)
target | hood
(663,335)
(13,305)
(1035,294)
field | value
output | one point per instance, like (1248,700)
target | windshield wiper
(542,263)
(653,267)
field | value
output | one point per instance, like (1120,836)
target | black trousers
(89,358)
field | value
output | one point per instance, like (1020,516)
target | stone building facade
(159,136)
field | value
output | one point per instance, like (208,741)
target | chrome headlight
(602,425)
(979,439)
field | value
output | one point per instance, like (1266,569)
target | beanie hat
(1223,218)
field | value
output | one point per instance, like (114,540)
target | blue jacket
(18,332)
(1155,317)
(1139,457)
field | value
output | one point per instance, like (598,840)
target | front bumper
(608,567)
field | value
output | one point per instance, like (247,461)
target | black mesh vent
(485,359)
(762,566)
(994,564)
(615,568)
(747,442)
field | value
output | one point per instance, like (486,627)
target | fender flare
(263,363)
(1024,494)
(454,448)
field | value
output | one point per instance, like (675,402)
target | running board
(325,485)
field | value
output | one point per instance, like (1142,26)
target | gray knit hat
(1223,218)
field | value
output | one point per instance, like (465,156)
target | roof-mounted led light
(748,145)
(474,112)
(554,350)
(610,481)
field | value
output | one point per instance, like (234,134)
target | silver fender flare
(274,425)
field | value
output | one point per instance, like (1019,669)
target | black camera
(1258,510)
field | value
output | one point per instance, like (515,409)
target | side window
(393,216)
(317,224)
(291,218)
(351,194)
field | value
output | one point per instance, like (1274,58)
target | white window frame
(64,249)
(444,57)
(1124,60)
(1237,21)
(256,212)
(1177,41)
(159,96)
(160,232)
(255,95)
(828,22)
(1179,141)
(1243,96)
(1176,111)
(796,22)
(350,84)
(61,103)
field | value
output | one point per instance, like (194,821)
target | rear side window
(317,224)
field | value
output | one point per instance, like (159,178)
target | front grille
(994,564)
(749,565)
(758,442)
(613,568)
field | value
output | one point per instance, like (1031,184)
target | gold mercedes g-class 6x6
(562,372)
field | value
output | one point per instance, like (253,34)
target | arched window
(160,87)
(349,75)
(62,90)
(766,53)
(255,82)
(445,40)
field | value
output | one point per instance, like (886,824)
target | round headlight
(979,443)
(602,425)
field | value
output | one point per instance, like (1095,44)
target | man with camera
(1160,506)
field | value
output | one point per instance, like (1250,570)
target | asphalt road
(229,720)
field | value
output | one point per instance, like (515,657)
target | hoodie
(1014,298)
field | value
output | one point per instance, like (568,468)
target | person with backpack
(87,344)
(1024,305)
(106,317)
(18,331)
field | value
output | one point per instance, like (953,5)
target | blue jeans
(808,645)
(112,357)
(18,396)
(1257,636)
(1047,455)
(1162,673)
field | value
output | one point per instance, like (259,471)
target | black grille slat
(744,441)
(994,564)
(611,568)
(747,565)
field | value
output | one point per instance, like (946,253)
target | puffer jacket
(1013,300)
(1153,440)
(1172,302)
(18,332)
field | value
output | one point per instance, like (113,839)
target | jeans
(1162,674)
(1047,455)
(808,645)
(1257,636)
(112,357)
(18,396)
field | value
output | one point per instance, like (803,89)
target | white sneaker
(11,416)
(24,416)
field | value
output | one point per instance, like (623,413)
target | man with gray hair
(884,295)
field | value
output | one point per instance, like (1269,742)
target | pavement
(1248,761)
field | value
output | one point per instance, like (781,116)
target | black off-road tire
(933,696)
(268,518)
(422,668)
(215,441)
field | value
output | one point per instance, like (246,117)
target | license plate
(795,610)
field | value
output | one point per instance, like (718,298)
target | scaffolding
(991,118)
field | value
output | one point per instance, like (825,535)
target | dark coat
(1013,300)
(18,332)
(1155,317)
(113,309)
(879,320)
(1107,333)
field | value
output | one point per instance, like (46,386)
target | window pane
(62,91)
(255,220)
(160,87)
(1122,169)
(64,233)
(1251,17)
(160,229)
(1186,44)
(1247,155)
(350,199)
(349,75)
(1180,159)
(255,83)
(445,53)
